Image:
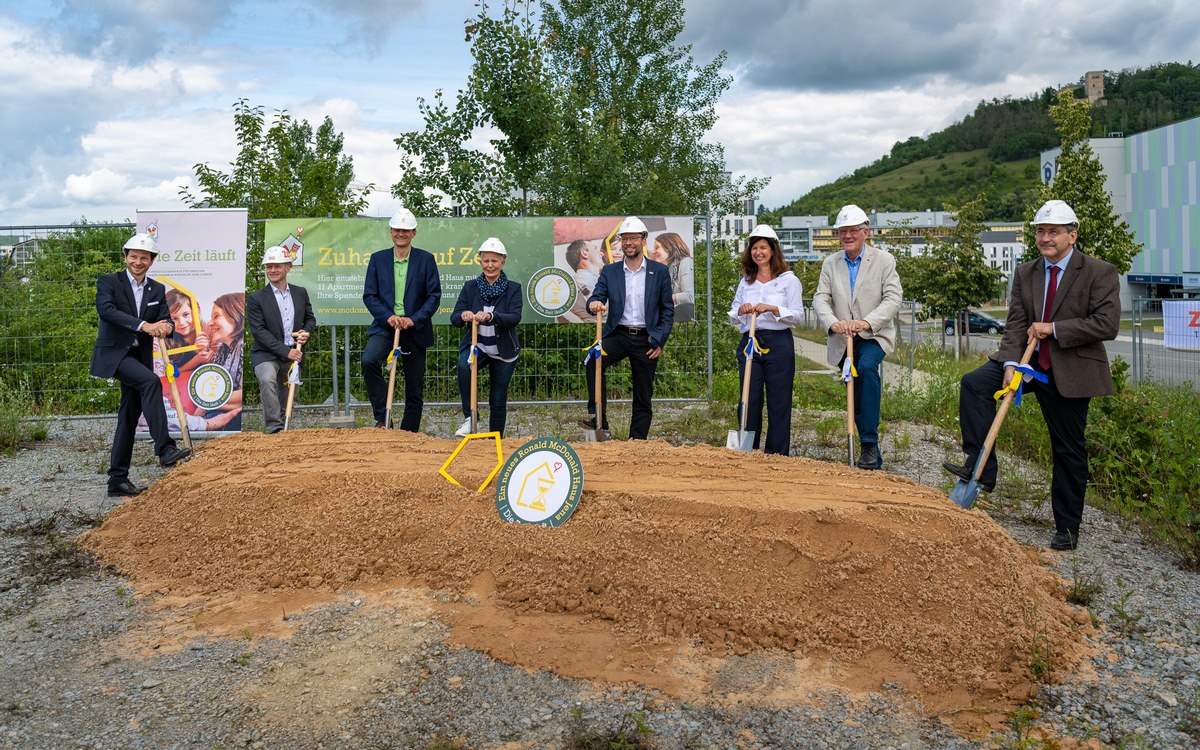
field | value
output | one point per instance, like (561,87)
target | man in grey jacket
(859,294)
(279,315)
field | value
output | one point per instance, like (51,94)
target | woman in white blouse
(770,290)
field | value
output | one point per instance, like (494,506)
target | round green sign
(540,483)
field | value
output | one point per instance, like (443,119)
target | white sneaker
(465,429)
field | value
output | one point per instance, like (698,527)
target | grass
(631,734)
(16,405)
(48,551)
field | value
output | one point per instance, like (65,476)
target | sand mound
(675,556)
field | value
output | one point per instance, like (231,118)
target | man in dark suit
(414,270)
(636,291)
(133,309)
(279,316)
(1070,304)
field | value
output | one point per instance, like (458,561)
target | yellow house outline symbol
(544,478)
(552,292)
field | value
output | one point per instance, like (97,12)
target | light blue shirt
(853,265)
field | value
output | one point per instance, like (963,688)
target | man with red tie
(1070,303)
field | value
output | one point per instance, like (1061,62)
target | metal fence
(1150,360)
(48,324)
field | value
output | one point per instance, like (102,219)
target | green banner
(331,257)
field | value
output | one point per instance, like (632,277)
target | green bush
(1143,445)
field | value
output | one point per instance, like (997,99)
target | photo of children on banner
(196,342)
(583,246)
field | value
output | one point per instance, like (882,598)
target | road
(1160,364)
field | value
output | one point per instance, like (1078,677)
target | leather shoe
(986,483)
(1064,541)
(173,456)
(382,425)
(870,458)
(590,424)
(124,489)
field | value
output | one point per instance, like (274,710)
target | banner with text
(556,260)
(202,262)
(1181,324)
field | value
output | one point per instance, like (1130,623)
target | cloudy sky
(107,105)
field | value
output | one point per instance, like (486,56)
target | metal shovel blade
(595,436)
(965,493)
(740,440)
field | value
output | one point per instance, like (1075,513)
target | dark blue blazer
(266,324)
(507,315)
(660,309)
(119,322)
(422,295)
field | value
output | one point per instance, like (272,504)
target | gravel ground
(357,675)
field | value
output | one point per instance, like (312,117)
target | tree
(593,122)
(1080,182)
(956,277)
(287,170)
(437,162)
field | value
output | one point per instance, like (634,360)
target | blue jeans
(868,388)
(501,374)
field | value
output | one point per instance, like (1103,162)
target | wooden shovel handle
(1005,402)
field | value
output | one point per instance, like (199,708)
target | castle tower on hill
(1093,85)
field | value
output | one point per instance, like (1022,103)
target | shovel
(740,439)
(966,493)
(287,415)
(849,368)
(387,420)
(175,398)
(475,376)
(598,435)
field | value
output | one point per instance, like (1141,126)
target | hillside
(929,183)
(994,150)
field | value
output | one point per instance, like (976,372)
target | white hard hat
(850,216)
(1055,212)
(493,245)
(276,254)
(762,230)
(142,242)
(403,219)
(632,225)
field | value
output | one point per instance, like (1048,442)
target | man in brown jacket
(1070,303)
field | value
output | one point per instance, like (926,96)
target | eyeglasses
(849,232)
(1051,233)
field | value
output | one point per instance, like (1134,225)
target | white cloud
(95,187)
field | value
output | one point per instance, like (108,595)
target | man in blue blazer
(414,270)
(133,309)
(279,315)
(636,291)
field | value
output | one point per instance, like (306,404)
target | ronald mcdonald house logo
(551,291)
(541,483)
(210,386)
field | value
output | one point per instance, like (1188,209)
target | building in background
(1154,181)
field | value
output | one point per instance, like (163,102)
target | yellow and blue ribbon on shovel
(1017,384)
(172,372)
(392,356)
(593,351)
(294,374)
(475,352)
(752,343)
(849,371)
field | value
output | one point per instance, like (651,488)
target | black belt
(632,331)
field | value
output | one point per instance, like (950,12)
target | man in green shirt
(414,272)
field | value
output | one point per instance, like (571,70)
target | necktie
(1044,347)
